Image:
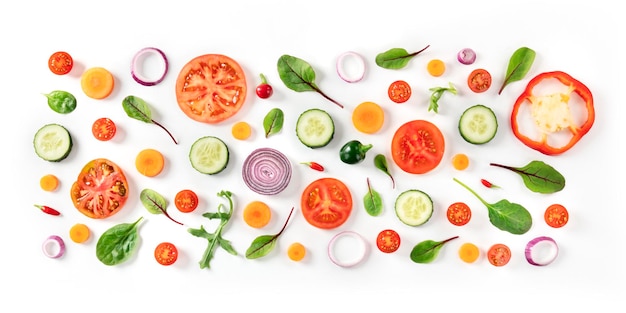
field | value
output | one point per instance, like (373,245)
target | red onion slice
(466,56)
(541,251)
(266,171)
(352,253)
(53,247)
(355,71)
(137,68)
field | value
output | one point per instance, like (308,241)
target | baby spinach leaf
(396,58)
(504,215)
(428,250)
(437,92)
(263,245)
(538,176)
(380,161)
(519,65)
(118,243)
(139,109)
(273,122)
(61,101)
(372,201)
(299,76)
(155,203)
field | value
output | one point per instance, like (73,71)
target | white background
(580,38)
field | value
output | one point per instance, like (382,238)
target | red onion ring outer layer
(266,171)
(341,71)
(466,56)
(528,252)
(58,242)
(137,76)
(358,260)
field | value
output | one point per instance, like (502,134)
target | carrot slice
(49,182)
(368,117)
(149,162)
(436,67)
(97,82)
(460,161)
(241,130)
(469,252)
(296,251)
(79,233)
(257,214)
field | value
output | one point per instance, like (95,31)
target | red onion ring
(341,71)
(136,72)
(266,171)
(53,247)
(332,254)
(466,56)
(541,251)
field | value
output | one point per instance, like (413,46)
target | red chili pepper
(488,184)
(315,166)
(47,209)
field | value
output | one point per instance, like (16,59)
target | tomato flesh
(103,129)
(417,146)
(499,254)
(479,80)
(186,200)
(399,91)
(60,63)
(459,213)
(166,253)
(326,203)
(556,216)
(388,241)
(100,190)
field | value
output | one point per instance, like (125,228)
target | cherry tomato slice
(166,253)
(459,213)
(479,80)
(103,129)
(556,216)
(499,254)
(186,200)
(60,63)
(388,241)
(399,91)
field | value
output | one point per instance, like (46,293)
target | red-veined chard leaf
(519,65)
(538,176)
(299,76)
(396,58)
(372,201)
(380,161)
(155,203)
(264,244)
(428,250)
(273,122)
(139,109)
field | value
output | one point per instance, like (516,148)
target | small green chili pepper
(353,152)
(61,101)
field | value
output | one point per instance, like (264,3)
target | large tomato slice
(326,203)
(211,88)
(417,146)
(100,190)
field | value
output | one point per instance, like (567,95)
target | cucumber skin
(470,140)
(304,141)
(69,148)
(422,193)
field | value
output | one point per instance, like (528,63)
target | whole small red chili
(488,184)
(48,210)
(315,166)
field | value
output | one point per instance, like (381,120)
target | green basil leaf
(372,202)
(510,217)
(296,74)
(538,176)
(61,101)
(261,246)
(519,65)
(118,243)
(137,108)
(428,250)
(154,202)
(273,122)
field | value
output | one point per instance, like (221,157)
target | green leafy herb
(372,201)
(538,176)
(504,215)
(215,239)
(264,244)
(519,65)
(138,109)
(155,203)
(437,92)
(298,75)
(61,101)
(118,243)
(428,250)
(273,122)
(396,58)
(380,161)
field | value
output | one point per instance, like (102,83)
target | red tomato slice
(417,146)
(479,80)
(186,201)
(388,241)
(499,254)
(399,91)
(211,88)
(166,253)
(60,63)
(556,215)
(100,190)
(459,213)
(326,203)
(103,129)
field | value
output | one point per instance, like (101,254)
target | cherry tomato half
(459,213)
(103,129)
(60,63)
(388,241)
(186,201)
(556,216)
(399,91)
(479,80)
(166,253)
(499,254)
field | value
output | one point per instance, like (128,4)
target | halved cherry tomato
(388,241)
(60,63)
(556,215)
(211,88)
(100,190)
(186,200)
(399,91)
(166,253)
(417,146)
(499,254)
(326,203)
(103,129)
(459,213)
(479,80)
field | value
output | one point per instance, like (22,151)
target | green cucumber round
(414,207)
(315,128)
(53,142)
(478,124)
(209,155)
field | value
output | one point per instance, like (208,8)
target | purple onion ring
(266,171)
(135,69)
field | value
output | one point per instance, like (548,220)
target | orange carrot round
(436,67)
(149,162)
(460,161)
(49,182)
(469,252)
(368,117)
(257,214)
(79,233)
(296,251)
(241,130)
(97,82)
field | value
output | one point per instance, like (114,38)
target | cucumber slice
(478,124)
(209,155)
(414,207)
(53,142)
(315,128)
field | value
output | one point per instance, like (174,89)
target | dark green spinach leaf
(118,243)
(61,101)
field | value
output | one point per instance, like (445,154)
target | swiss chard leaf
(519,65)
(263,245)
(538,176)
(396,58)
(372,201)
(380,161)
(118,243)
(299,76)
(273,122)
(139,109)
(155,203)
(428,250)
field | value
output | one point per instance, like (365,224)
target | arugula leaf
(519,65)
(437,92)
